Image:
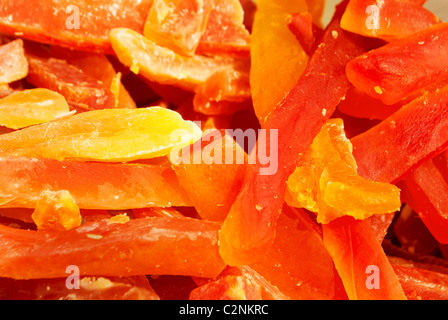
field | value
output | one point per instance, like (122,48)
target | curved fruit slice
(163,65)
(389,151)
(298,264)
(110,135)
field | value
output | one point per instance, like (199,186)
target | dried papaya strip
(356,103)
(249,228)
(178,25)
(388,20)
(390,74)
(383,152)
(110,135)
(92,185)
(75,85)
(361,262)
(30,107)
(163,65)
(142,246)
(84,26)
(90,288)
(280,269)
(418,131)
(13,63)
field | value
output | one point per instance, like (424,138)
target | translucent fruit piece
(33,106)
(268,291)
(56,210)
(355,196)
(13,64)
(329,184)
(104,135)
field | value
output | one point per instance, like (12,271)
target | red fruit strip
(156,246)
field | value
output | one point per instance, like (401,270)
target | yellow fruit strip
(110,135)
